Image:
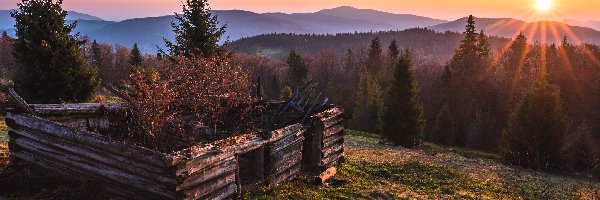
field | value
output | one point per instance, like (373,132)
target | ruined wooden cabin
(64,139)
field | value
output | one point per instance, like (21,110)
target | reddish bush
(149,98)
(210,88)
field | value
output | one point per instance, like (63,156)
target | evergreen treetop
(197,31)
(51,67)
(136,58)
(298,69)
(375,56)
(393,51)
(402,119)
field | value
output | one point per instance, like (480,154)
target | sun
(543,5)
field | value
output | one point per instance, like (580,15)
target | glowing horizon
(581,10)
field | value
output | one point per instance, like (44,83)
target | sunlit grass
(3,142)
(374,170)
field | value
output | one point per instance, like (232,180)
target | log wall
(284,156)
(61,138)
(324,145)
(129,171)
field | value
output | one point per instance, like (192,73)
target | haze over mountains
(149,32)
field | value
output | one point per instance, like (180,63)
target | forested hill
(424,43)
(550,31)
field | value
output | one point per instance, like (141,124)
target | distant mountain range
(553,32)
(149,32)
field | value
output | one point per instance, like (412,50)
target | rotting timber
(66,140)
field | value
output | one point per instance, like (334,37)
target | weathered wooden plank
(85,138)
(339,137)
(77,108)
(329,113)
(211,172)
(19,101)
(327,151)
(287,145)
(288,161)
(332,122)
(73,173)
(333,130)
(198,164)
(96,168)
(295,147)
(148,171)
(207,188)
(290,139)
(222,193)
(288,130)
(285,175)
(331,159)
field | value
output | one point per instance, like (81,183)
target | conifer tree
(375,56)
(443,131)
(402,119)
(536,129)
(298,70)
(51,67)
(368,105)
(197,31)
(393,52)
(96,55)
(484,49)
(135,57)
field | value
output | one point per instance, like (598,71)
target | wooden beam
(19,101)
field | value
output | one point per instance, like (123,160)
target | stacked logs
(204,171)
(325,140)
(284,155)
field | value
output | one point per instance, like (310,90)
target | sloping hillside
(371,171)
(377,171)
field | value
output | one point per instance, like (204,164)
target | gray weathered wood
(207,188)
(339,137)
(211,172)
(327,151)
(332,130)
(85,138)
(19,101)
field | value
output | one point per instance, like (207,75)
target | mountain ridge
(149,32)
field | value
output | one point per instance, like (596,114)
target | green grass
(375,170)
(3,142)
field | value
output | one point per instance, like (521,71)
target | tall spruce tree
(368,104)
(51,67)
(402,119)
(96,55)
(393,52)
(375,56)
(136,58)
(298,69)
(537,128)
(197,31)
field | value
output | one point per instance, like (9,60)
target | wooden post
(238,179)
(20,102)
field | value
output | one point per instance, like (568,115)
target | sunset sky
(442,9)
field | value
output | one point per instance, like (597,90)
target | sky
(117,10)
